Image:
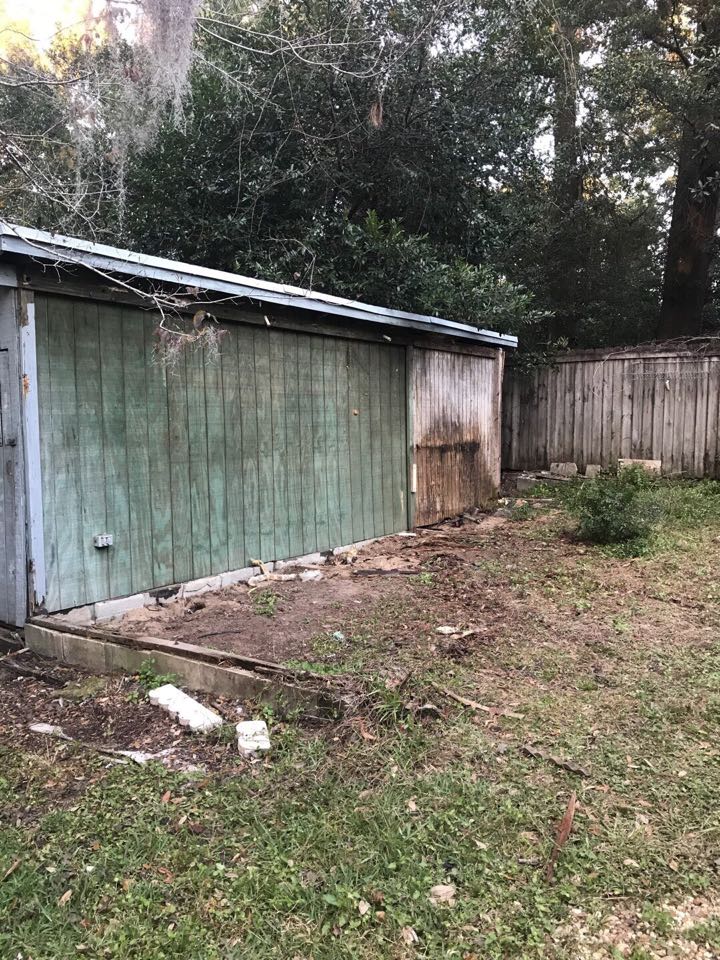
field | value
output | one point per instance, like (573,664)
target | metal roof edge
(31,242)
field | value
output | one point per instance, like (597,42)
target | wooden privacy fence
(595,406)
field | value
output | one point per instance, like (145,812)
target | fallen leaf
(412,806)
(409,935)
(561,837)
(165,798)
(11,869)
(443,893)
(363,907)
(364,732)
(64,898)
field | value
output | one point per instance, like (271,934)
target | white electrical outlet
(103,540)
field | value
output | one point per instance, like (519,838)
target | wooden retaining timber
(598,406)
(199,668)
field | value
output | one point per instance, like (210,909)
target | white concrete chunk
(593,470)
(311,575)
(253,736)
(183,708)
(107,609)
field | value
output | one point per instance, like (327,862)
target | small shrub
(617,508)
(149,678)
(265,603)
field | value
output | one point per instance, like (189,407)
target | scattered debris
(474,705)
(539,754)
(381,572)
(561,836)
(428,711)
(50,730)
(21,670)
(252,736)
(447,631)
(409,936)
(443,893)
(186,710)
(406,533)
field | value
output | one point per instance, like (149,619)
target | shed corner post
(410,427)
(30,413)
(500,361)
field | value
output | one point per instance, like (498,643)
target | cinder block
(564,469)
(82,616)
(107,609)
(652,466)
(593,470)
(524,484)
(237,576)
(84,652)
(193,588)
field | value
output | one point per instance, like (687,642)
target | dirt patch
(115,716)
(292,624)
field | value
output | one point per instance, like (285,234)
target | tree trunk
(691,241)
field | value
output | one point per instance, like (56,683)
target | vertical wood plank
(319,444)
(356,413)
(198,453)
(378,523)
(48,431)
(137,434)
(251,497)
(343,442)
(294,453)
(216,467)
(232,416)
(306,428)
(180,497)
(71,560)
(90,448)
(388,425)
(399,474)
(279,444)
(159,463)
(330,363)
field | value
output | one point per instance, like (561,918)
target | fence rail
(598,406)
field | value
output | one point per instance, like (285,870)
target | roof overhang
(106,260)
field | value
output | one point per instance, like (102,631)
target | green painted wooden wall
(289,443)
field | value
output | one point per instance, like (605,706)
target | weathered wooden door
(12,574)
(456,431)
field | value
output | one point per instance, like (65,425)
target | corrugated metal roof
(45,246)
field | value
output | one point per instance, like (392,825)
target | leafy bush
(616,508)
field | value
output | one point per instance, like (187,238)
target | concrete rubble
(252,737)
(183,708)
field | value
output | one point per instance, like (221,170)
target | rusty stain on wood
(456,431)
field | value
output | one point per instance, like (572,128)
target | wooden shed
(322,422)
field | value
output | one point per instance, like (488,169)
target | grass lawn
(330,847)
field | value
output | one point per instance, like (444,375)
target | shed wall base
(117,606)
